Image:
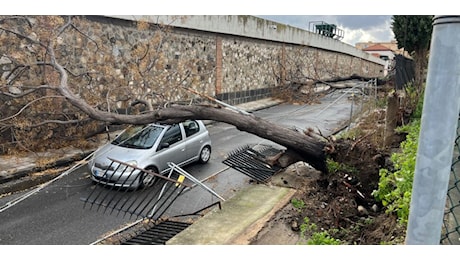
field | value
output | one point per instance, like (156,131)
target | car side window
(191,127)
(172,135)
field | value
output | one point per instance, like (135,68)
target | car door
(194,138)
(172,148)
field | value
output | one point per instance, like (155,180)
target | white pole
(437,134)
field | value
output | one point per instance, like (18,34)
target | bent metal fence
(150,200)
(451,225)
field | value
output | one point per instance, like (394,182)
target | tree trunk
(301,146)
(421,62)
(391,119)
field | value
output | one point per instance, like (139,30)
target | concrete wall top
(253,27)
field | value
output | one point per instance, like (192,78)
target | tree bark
(391,119)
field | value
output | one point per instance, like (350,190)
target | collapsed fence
(451,224)
(114,195)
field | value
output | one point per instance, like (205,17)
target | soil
(339,202)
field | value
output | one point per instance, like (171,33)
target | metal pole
(175,167)
(437,134)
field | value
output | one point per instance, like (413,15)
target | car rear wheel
(147,180)
(205,154)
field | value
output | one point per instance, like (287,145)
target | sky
(356,28)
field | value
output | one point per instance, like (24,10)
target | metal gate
(158,234)
(253,161)
(149,201)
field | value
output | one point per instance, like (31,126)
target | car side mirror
(163,146)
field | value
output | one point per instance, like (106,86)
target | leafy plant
(395,188)
(414,100)
(334,167)
(317,238)
(298,204)
(323,238)
(307,227)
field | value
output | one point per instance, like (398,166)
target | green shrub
(323,238)
(307,227)
(317,238)
(334,167)
(395,188)
(298,204)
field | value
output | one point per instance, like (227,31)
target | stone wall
(235,68)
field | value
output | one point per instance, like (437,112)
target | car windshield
(138,137)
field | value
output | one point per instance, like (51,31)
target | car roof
(165,125)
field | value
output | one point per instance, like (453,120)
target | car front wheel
(147,180)
(205,154)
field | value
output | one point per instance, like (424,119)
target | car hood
(102,155)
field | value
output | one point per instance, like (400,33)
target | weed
(298,204)
(307,227)
(323,238)
(368,221)
(334,167)
(317,238)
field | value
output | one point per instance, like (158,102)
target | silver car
(149,147)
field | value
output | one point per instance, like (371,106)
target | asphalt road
(57,214)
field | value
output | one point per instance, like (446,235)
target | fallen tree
(37,54)
(300,145)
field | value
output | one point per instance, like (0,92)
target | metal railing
(451,224)
(113,193)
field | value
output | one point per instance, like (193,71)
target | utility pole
(437,134)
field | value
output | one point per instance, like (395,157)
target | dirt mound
(339,202)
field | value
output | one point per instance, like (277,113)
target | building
(380,51)
(393,46)
(386,51)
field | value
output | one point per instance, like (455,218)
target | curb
(24,177)
(239,220)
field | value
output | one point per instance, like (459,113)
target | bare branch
(31,89)
(85,35)
(22,36)
(61,122)
(143,102)
(26,106)
(12,75)
(65,26)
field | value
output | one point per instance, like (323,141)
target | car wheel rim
(148,180)
(205,154)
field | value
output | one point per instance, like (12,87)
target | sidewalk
(239,220)
(16,173)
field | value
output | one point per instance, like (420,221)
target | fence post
(437,134)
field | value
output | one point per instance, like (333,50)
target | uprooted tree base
(341,201)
